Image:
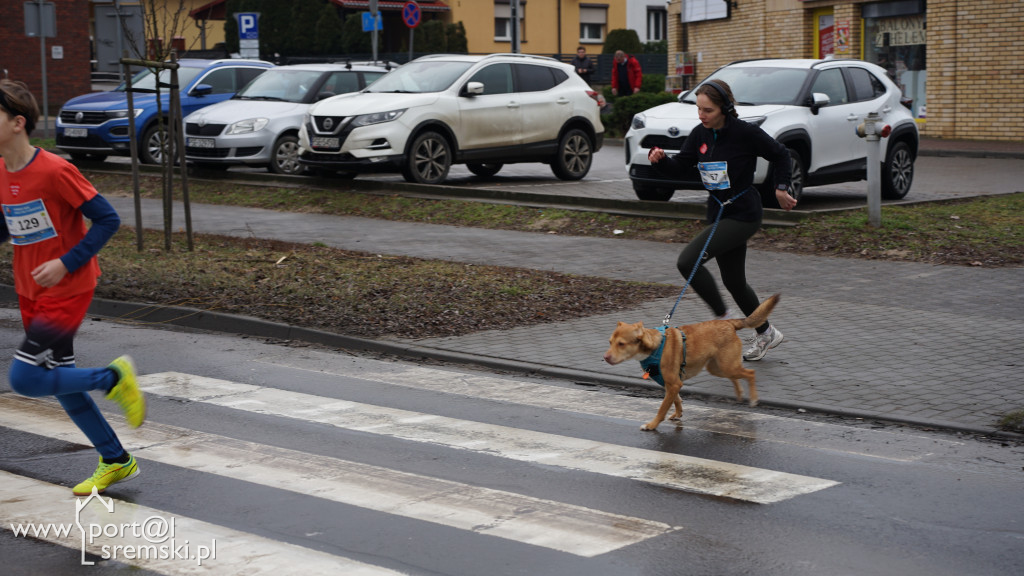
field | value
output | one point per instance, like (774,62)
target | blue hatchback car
(94,126)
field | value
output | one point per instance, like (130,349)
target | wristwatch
(783,187)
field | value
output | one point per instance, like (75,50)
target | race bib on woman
(715,175)
(28,223)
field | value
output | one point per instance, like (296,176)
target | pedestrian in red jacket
(626,74)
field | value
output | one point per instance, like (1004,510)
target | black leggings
(729,247)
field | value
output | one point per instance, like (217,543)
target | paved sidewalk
(902,341)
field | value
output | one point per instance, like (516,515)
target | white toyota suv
(811,106)
(439,110)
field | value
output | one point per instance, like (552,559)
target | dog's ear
(621,324)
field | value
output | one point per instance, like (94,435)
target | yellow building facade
(547,26)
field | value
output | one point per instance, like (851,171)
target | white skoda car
(259,126)
(439,110)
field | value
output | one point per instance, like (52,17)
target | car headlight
(122,113)
(639,121)
(377,118)
(756,120)
(246,126)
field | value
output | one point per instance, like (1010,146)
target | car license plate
(320,142)
(201,143)
(76,132)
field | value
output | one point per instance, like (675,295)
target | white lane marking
(672,470)
(35,502)
(758,426)
(547,523)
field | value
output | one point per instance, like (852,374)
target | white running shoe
(760,344)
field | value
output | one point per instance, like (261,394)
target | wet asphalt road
(306,460)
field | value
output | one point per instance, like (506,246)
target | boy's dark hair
(17,100)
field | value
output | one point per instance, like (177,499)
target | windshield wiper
(270,98)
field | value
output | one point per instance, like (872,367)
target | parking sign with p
(248,25)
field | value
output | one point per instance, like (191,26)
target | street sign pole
(373,32)
(411,16)
(41,19)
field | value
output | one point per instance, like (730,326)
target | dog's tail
(759,316)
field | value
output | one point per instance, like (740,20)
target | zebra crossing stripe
(746,424)
(677,471)
(39,503)
(546,523)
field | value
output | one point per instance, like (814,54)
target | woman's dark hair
(715,95)
(17,100)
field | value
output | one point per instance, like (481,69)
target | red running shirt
(41,204)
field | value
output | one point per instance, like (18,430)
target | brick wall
(975,70)
(20,54)
(975,85)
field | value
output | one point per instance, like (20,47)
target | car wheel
(285,157)
(154,144)
(797,176)
(87,156)
(897,172)
(575,154)
(483,169)
(429,159)
(653,193)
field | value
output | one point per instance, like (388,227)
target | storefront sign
(902,31)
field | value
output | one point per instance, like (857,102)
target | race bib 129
(28,223)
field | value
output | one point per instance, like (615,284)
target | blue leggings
(44,365)
(71,386)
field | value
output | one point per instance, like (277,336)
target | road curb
(155,315)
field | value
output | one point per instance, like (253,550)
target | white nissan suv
(811,106)
(439,110)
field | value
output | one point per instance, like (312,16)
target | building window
(657,24)
(503,20)
(593,21)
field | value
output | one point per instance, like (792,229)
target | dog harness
(652,364)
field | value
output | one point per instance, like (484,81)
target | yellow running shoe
(126,392)
(107,474)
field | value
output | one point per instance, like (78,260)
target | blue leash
(703,251)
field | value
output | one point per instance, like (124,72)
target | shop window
(898,43)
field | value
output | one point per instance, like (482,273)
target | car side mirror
(818,101)
(324,96)
(473,89)
(201,90)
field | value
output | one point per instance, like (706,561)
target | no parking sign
(411,14)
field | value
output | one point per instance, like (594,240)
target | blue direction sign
(370,23)
(411,14)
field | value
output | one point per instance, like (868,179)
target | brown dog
(713,344)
